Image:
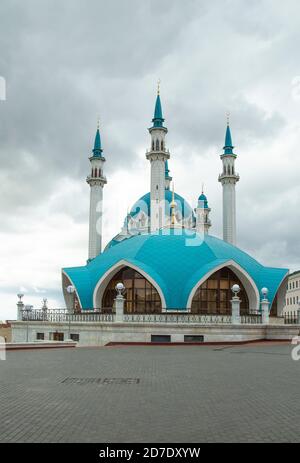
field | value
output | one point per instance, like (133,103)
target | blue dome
(181,205)
(203,198)
(176,260)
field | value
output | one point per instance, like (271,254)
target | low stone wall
(100,334)
(39,345)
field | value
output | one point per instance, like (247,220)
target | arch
(246,280)
(66,281)
(112,271)
(140,294)
(152,145)
(96,172)
(157,145)
(213,296)
(162,145)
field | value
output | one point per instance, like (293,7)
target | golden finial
(227,117)
(158,86)
(202,187)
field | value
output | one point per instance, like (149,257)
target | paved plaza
(185,394)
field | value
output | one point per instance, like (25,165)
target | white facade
(292,300)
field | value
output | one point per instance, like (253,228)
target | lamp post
(45,308)
(71,291)
(20,306)
(265,306)
(235,305)
(120,288)
(28,309)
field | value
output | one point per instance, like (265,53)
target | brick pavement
(185,394)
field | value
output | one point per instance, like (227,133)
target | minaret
(202,215)
(96,181)
(158,155)
(228,178)
(168,178)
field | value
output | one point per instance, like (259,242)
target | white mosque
(164,254)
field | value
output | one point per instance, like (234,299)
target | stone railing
(63,315)
(106,315)
(177,317)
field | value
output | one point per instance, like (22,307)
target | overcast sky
(66,61)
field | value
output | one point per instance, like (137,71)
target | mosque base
(101,334)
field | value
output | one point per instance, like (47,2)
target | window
(40,336)
(56,336)
(160,338)
(297,284)
(157,145)
(193,338)
(140,294)
(214,295)
(74,337)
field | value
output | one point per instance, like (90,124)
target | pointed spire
(97,151)
(228,147)
(158,118)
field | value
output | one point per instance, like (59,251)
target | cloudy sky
(64,62)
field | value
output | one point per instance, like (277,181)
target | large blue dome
(176,260)
(144,204)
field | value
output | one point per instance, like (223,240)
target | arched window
(157,145)
(92,172)
(140,295)
(214,295)
(96,172)
(162,145)
(153,145)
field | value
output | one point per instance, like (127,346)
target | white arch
(104,280)
(248,283)
(67,296)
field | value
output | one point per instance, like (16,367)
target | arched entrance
(214,294)
(140,294)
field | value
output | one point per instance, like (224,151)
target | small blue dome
(203,198)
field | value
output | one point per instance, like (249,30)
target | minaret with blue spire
(96,180)
(158,156)
(202,210)
(228,179)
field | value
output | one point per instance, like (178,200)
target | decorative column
(119,303)
(158,155)
(265,314)
(96,180)
(235,306)
(228,179)
(20,306)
